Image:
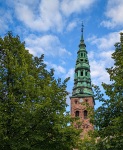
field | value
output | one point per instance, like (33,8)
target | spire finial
(82,31)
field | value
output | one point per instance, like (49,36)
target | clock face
(81,100)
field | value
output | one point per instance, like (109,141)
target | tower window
(85,114)
(76,101)
(86,100)
(77,114)
(86,73)
(81,73)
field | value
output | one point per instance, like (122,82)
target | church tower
(82,94)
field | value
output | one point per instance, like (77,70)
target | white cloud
(101,58)
(114,13)
(106,42)
(98,72)
(62,62)
(91,55)
(5,19)
(58,69)
(71,26)
(47,44)
(49,11)
(75,6)
(44,15)
(108,23)
(106,54)
(40,16)
(68,102)
(70,74)
(63,52)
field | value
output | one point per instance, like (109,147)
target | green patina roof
(82,79)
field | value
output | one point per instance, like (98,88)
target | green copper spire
(82,44)
(82,80)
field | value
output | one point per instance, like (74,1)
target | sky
(53,28)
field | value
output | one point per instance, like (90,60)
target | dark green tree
(109,116)
(32,102)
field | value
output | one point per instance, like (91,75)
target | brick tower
(82,95)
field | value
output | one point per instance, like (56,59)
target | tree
(32,102)
(109,116)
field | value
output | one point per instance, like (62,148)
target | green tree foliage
(32,102)
(109,116)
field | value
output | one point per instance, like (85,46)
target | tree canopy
(109,116)
(32,102)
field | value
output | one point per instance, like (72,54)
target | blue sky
(53,28)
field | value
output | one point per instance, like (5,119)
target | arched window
(77,113)
(85,114)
